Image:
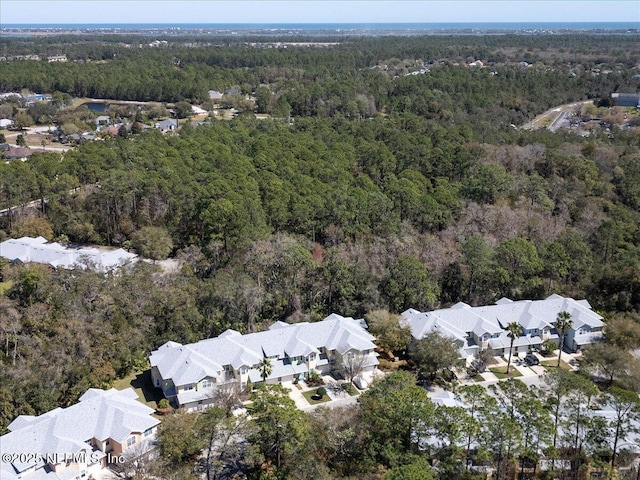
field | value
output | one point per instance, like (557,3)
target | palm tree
(563,325)
(514,330)
(265,368)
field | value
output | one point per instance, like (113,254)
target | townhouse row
(81,440)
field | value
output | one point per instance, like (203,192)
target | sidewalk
(337,395)
(296,395)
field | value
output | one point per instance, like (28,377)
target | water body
(96,107)
(330,28)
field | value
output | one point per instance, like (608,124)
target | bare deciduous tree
(353,365)
(227,396)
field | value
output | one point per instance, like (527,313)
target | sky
(315,11)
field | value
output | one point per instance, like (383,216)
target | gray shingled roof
(100,414)
(461,318)
(28,249)
(335,332)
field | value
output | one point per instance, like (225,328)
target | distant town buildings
(57,58)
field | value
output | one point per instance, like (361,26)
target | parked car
(531,359)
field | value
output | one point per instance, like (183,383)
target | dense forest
(368,188)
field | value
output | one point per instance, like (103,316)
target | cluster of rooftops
(187,373)
(77,441)
(478,328)
(114,422)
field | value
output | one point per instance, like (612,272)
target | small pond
(96,107)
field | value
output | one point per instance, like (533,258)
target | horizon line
(333,23)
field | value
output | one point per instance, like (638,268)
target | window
(188,387)
(106,443)
(147,432)
(206,383)
(131,441)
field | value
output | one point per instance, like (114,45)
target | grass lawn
(308,394)
(141,383)
(553,362)
(501,372)
(350,389)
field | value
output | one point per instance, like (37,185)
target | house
(110,130)
(57,58)
(17,153)
(37,250)
(215,95)
(626,99)
(103,120)
(477,328)
(189,374)
(168,125)
(105,426)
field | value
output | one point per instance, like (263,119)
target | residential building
(103,120)
(17,153)
(626,99)
(168,125)
(477,328)
(104,427)
(57,58)
(38,250)
(189,374)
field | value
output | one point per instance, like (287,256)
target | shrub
(321,392)
(314,379)
(548,346)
